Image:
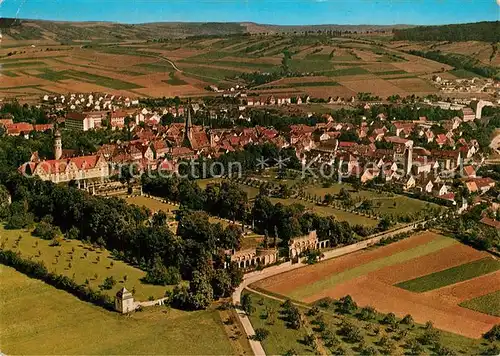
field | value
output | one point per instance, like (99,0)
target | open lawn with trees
(85,263)
(39,319)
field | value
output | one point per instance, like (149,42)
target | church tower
(188,131)
(57,144)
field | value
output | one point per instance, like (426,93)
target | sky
(281,12)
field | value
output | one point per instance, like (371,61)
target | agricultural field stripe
(451,275)
(487,304)
(328,283)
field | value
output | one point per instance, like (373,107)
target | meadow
(39,319)
(82,262)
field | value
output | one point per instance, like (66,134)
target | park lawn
(38,319)
(323,210)
(451,275)
(156,205)
(383,203)
(252,192)
(82,268)
(437,244)
(487,304)
(203,183)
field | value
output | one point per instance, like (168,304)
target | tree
(159,274)
(408,320)
(347,305)
(246,304)
(200,291)
(260,334)
(109,283)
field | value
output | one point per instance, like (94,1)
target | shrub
(390,319)
(351,332)
(46,231)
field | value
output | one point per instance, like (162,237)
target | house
(19,129)
(84,121)
(117,119)
(495,224)
(469,114)
(469,172)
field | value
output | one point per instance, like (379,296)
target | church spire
(189,125)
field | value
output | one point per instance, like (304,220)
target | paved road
(256,276)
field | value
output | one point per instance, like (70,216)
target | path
(170,62)
(256,276)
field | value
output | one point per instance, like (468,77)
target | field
(39,319)
(85,263)
(283,338)
(371,278)
(488,304)
(185,67)
(451,276)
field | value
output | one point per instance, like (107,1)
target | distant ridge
(67,31)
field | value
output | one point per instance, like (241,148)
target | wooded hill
(478,31)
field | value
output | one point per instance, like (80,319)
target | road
(170,62)
(256,276)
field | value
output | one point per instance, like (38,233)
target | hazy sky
(285,12)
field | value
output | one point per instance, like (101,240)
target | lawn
(7,73)
(451,276)
(39,319)
(383,203)
(437,244)
(82,267)
(488,304)
(463,73)
(282,338)
(210,72)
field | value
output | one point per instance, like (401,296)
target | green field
(82,267)
(282,338)
(23,64)
(487,304)
(39,319)
(156,67)
(345,71)
(437,244)
(8,73)
(464,74)
(174,80)
(107,82)
(451,276)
